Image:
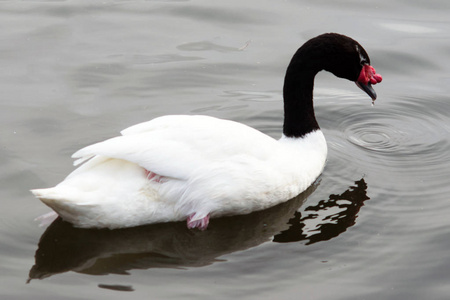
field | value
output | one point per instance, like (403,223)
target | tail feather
(61,204)
(49,193)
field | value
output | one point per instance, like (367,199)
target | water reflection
(328,219)
(64,248)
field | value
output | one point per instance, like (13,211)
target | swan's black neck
(299,117)
(332,52)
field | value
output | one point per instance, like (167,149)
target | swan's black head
(342,56)
(336,53)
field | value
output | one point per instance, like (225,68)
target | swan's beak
(368,89)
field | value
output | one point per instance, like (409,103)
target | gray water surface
(375,226)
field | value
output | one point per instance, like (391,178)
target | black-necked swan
(183,167)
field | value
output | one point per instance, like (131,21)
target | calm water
(375,226)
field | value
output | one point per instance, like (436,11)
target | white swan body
(235,170)
(196,167)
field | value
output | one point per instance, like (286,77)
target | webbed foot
(200,223)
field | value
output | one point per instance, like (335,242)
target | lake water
(376,224)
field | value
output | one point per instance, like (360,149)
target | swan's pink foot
(153,176)
(201,224)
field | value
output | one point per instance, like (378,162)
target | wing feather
(174,146)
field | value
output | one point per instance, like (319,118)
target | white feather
(208,166)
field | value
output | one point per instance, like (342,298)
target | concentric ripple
(400,129)
(377,137)
(410,137)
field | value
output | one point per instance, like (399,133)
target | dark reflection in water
(331,217)
(64,248)
(117,287)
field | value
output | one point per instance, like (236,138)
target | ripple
(403,145)
(402,132)
(377,137)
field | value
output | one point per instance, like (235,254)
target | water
(374,227)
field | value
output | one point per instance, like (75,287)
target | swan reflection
(328,219)
(64,248)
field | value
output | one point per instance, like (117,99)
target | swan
(193,168)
